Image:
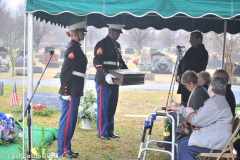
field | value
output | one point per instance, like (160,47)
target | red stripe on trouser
(100,118)
(67,125)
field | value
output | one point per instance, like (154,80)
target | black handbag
(184,129)
(236,145)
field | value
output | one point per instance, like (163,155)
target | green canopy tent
(220,16)
(189,15)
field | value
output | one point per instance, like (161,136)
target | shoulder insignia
(99,51)
(71,55)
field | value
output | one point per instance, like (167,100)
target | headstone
(22,53)
(150,76)
(3,69)
(19,72)
(237,58)
(60,63)
(62,54)
(20,58)
(38,55)
(214,63)
(41,60)
(1,88)
(46,49)
(37,70)
(45,98)
(57,75)
(47,58)
(3,54)
(90,76)
(2,49)
(53,65)
(237,71)
(20,64)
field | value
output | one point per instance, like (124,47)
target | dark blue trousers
(186,152)
(107,99)
(67,124)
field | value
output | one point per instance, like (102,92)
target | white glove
(109,77)
(67,98)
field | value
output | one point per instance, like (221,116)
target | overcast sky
(13,4)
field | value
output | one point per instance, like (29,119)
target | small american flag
(14,98)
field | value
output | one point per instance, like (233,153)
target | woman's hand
(172,108)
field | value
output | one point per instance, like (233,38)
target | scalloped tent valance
(189,15)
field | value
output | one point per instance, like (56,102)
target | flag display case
(127,77)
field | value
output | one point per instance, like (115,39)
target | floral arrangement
(214,55)
(41,151)
(10,130)
(88,107)
(166,132)
(39,110)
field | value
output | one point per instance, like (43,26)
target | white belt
(109,63)
(78,74)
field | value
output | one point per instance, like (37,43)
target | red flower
(136,61)
(38,107)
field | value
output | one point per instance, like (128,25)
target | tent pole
(85,52)
(224,44)
(30,64)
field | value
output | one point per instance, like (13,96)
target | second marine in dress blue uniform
(107,54)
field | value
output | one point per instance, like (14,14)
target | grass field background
(133,102)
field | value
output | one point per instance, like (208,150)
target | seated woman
(196,100)
(229,93)
(213,121)
(204,79)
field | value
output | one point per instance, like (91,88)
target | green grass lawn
(134,102)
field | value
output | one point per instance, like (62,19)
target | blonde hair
(206,76)
(70,33)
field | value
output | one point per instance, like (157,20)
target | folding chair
(227,151)
(148,124)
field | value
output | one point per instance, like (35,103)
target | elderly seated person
(229,93)
(204,79)
(213,121)
(196,100)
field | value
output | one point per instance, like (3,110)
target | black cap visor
(81,29)
(116,30)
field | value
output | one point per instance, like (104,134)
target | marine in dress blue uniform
(107,56)
(72,84)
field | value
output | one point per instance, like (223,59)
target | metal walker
(148,124)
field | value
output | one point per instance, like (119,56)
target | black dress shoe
(74,153)
(69,155)
(113,136)
(105,137)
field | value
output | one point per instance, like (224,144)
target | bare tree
(232,49)
(168,37)
(40,29)
(13,36)
(3,18)
(140,37)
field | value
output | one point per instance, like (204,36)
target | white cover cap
(116,27)
(80,26)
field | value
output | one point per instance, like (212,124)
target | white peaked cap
(80,26)
(116,27)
